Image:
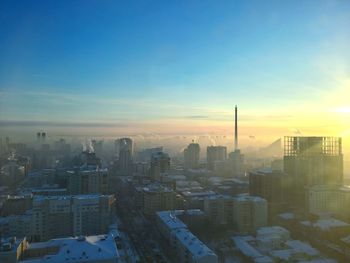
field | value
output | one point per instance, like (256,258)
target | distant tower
(191,155)
(160,163)
(236,159)
(43,136)
(125,155)
(236,129)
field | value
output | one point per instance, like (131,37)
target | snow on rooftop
(245,198)
(325,224)
(272,230)
(246,249)
(156,188)
(265,170)
(287,216)
(37,198)
(198,194)
(218,197)
(299,246)
(283,254)
(86,249)
(190,212)
(196,247)
(346,239)
(264,259)
(170,220)
(319,260)
(249,246)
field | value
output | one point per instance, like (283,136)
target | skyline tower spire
(236,130)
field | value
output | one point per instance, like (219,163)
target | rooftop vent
(81,238)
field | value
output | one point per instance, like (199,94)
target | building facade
(191,156)
(310,161)
(59,216)
(215,153)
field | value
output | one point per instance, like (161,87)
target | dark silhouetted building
(214,154)
(191,156)
(125,156)
(310,161)
(160,163)
(268,184)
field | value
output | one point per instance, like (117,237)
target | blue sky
(179,61)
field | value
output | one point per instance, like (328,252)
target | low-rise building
(273,244)
(249,213)
(156,197)
(243,213)
(59,216)
(92,249)
(329,198)
(12,249)
(185,246)
(16,225)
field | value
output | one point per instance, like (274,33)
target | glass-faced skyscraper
(310,161)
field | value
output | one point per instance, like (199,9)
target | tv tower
(236,130)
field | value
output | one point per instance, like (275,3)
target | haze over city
(174,131)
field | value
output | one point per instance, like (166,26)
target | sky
(165,67)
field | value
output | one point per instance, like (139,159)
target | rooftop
(68,197)
(325,224)
(272,230)
(77,249)
(170,220)
(245,198)
(287,216)
(287,250)
(196,247)
(198,194)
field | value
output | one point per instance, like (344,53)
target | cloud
(23,123)
(196,117)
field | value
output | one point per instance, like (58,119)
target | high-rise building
(249,213)
(146,154)
(90,159)
(191,156)
(160,163)
(88,181)
(97,147)
(219,209)
(157,198)
(125,155)
(215,153)
(268,184)
(244,213)
(60,216)
(310,161)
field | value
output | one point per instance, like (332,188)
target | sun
(343,109)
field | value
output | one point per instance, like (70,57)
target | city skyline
(194,131)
